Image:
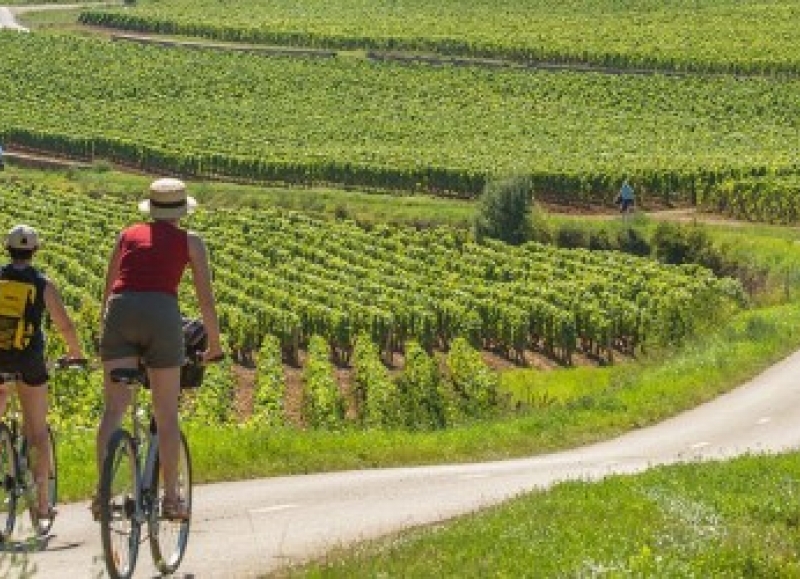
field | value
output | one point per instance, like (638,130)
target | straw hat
(22,237)
(168,199)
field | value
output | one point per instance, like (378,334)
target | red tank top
(152,258)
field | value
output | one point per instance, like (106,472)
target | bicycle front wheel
(168,537)
(8,483)
(42,525)
(120,526)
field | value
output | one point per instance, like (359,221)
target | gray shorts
(145,325)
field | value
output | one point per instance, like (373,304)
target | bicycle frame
(145,447)
(20,481)
(132,460)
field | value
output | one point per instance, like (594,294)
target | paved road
(246,528)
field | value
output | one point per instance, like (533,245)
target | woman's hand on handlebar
(210,356)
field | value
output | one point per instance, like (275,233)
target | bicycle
(131,487)
(16,477)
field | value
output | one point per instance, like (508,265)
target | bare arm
(58,313)
(201,275)
(111,274)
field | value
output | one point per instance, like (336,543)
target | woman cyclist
(142,321)
(24,352)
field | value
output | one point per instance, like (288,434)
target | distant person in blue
(2,161)
(625,197)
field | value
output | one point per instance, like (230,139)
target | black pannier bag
(195,340)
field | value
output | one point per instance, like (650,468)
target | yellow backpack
(16,302)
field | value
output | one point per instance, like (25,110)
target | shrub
(504,211)
(675,244)
(571,236)
(631,241)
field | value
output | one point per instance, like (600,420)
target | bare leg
(4,394)
(165,387)
(116,397)
(34,408)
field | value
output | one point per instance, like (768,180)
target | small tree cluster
(505,211)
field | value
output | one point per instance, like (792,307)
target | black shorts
(625,204)
(31,365)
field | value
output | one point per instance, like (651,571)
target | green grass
(716,519)
(365,207)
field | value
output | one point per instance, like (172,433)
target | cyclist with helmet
(142,321)
(22,348)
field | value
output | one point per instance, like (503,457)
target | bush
(505,211)
(675,244)
(631,241)
(571,236)
(601,240)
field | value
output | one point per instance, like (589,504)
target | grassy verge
(719,519)
(367,207)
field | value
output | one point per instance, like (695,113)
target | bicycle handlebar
(71,363)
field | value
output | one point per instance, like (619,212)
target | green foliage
(631,240)
(702,35)
(571,236)
(377,394)
(269,384)
(323,404)
(421,390)
(504,211)
(442,130)
(311,276)
(771,198)
(474,383)
(213,402)
(76,398)
(676,244)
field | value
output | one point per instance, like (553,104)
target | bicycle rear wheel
(120,526)
(42,525)
(8,483)
(168,538)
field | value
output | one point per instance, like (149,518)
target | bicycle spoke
(41,525)
(8,483)
(119,527)
(168,538)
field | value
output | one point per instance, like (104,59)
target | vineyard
(678,35)
(355,123)
(291,285)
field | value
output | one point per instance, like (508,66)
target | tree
(505,211)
